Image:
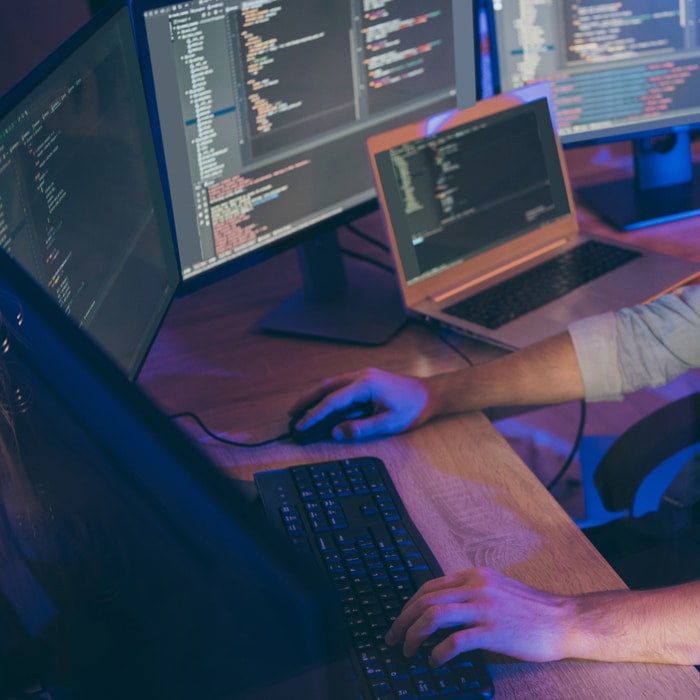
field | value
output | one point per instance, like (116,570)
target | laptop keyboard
(348,516)
(540,285)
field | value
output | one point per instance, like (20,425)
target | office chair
(653,546)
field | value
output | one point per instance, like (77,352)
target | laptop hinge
(441,296)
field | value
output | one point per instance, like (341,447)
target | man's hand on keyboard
(400,402)
(490,611)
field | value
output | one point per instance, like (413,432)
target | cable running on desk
(226,441)
(489,413)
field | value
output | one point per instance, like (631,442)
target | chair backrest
(643,447)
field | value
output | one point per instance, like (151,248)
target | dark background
(32,29)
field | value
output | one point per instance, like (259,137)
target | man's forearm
(654,626)
(544,373)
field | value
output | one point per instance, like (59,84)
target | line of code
(261,54)
(296,72)
(631,93)
(235,206)
(615,30)
(42,146)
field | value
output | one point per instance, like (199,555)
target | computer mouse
(322,430)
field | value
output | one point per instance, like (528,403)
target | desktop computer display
(263,108)
(623,70)
(81,204)
(130,566)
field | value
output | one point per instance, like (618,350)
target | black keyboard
(348,516)
(541,284)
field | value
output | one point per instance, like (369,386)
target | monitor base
(369,312)
(665,186)
(353,302)
(621,204)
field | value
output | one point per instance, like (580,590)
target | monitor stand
(665,187)
(360,304)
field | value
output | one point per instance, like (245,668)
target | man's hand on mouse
(400,402)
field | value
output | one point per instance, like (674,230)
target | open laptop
(474,198)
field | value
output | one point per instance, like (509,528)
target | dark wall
(31,29)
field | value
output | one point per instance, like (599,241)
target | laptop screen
(460,191)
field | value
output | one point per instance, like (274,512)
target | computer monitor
(262,109)
(81,202)
(627,70)
(130,566)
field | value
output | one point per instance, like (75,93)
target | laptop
(476,201)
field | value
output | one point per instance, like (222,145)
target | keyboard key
(426,685)
(404,689)
(447,681)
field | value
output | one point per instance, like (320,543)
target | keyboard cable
(579,432)
(574,448)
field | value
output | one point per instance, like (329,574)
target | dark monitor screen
(622,70)
(130,567)
(81,204)
(264,106)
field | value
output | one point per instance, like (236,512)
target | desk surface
(473,499)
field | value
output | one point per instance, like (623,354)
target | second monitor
(623,70)
(263,108)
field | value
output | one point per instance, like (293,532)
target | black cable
(366,237)
(466,358)
(579,433)
(574,448)
(368,259)
(454,348)
(214,436)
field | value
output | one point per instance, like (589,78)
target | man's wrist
(595,631)
(443,396)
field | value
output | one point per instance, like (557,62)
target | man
(600,358)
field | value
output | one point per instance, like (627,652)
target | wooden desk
(468,492)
